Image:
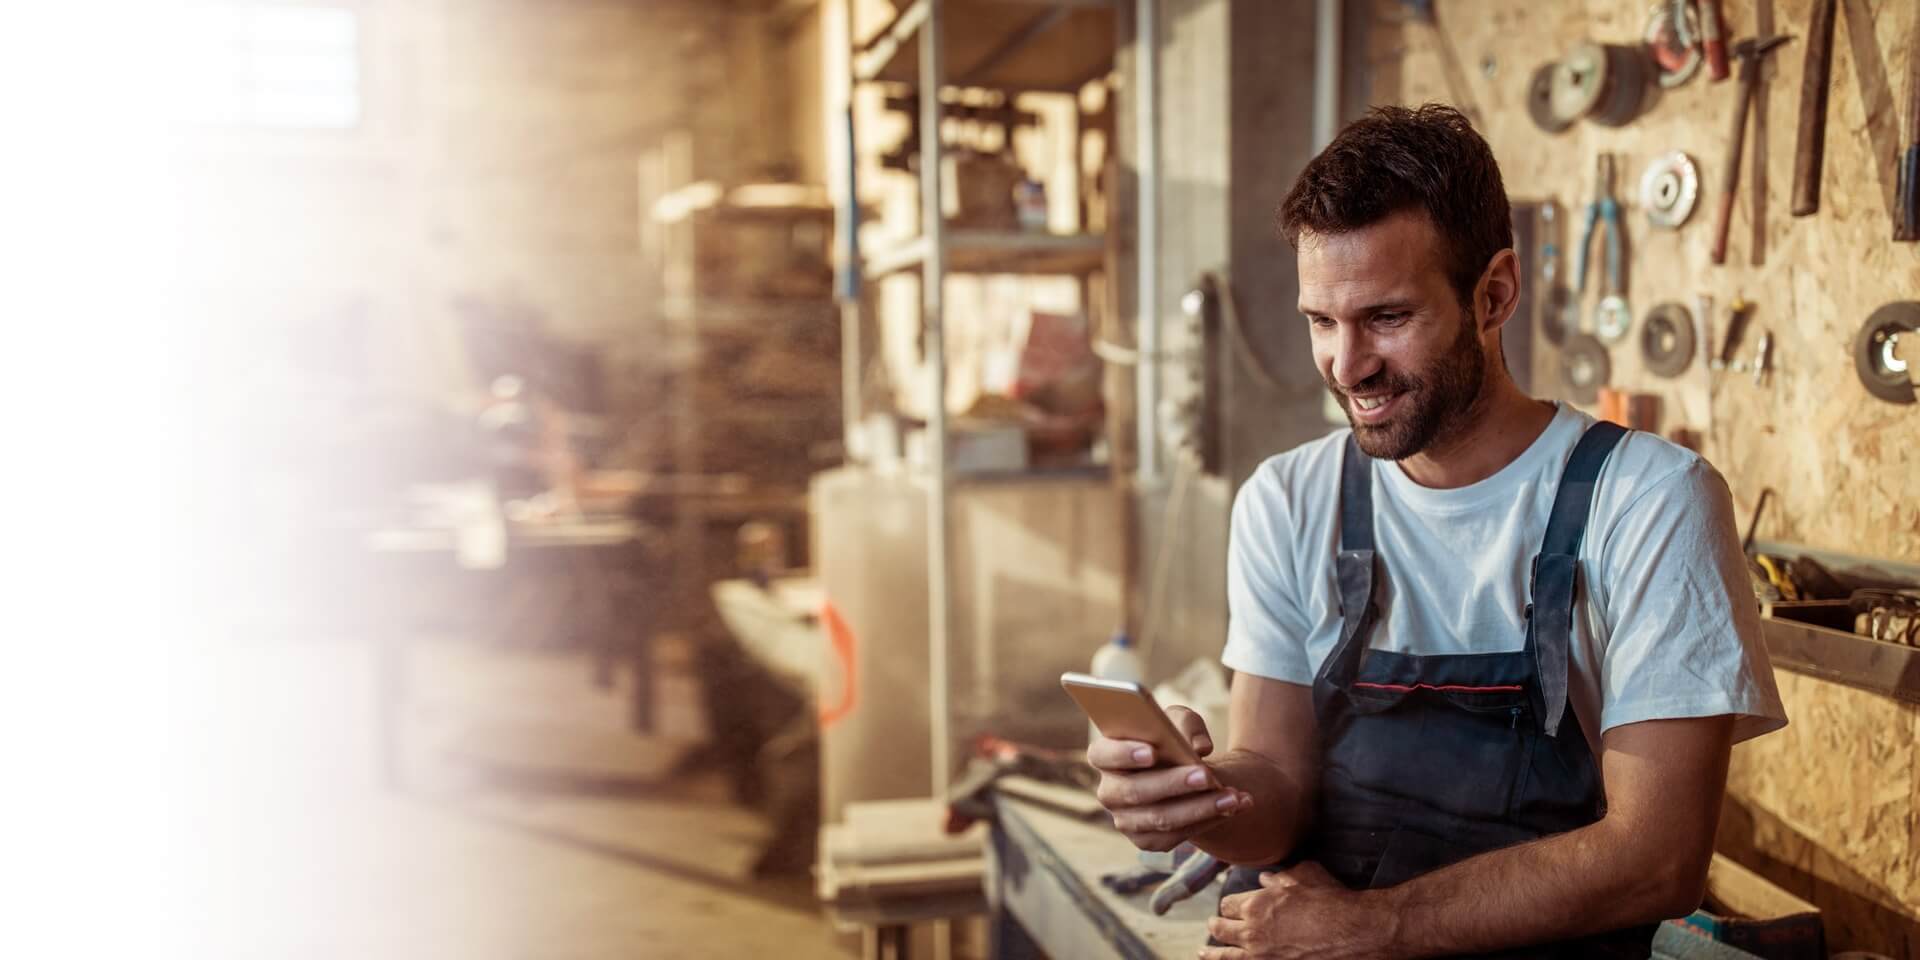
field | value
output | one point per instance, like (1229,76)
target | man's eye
(1390,319)
(1320,321)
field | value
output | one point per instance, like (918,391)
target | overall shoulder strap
(1354,567)
(1556,568)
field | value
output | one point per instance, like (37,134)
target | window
(273,65)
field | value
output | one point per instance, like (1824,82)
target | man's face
(1390,337)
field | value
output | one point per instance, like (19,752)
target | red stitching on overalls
(1429,686)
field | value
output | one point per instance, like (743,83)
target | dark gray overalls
(1428,760)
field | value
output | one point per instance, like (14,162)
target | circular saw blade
(1585,367)
(1666,340)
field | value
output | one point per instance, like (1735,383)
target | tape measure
(1884,348)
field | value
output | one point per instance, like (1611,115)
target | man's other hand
(1298,912)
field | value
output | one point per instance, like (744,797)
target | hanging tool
(1906,208)
(1611,317)
(1749,51)
(1810,151)
(1736,325)
(1606,84)
(1712,30)
(1762,357)
(1878,349)
(1666,340)
(1669,188)
(1669,36)
(1553,320)
(1540,100)
(1584,367)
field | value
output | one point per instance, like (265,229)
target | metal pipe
(1326,72)
(933,274)
(849,294)
(1146,97)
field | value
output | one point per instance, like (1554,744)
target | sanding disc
(1884,351)
(1666,340)
(1540,101)
(1584,367)
(1612,318)
(1669,188)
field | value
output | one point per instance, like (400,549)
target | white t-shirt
(1665,625)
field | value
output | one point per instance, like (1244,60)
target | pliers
(1611,317)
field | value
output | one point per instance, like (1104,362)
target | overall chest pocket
(1457,751)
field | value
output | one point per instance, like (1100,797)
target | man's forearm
(1282,810)
(1568,885)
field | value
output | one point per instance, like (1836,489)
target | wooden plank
(1742,893)
(999,251)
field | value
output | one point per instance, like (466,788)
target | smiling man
(1490,655)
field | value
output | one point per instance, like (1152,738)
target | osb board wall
(1825,807)
(1845,467)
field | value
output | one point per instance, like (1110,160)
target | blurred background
(641,460)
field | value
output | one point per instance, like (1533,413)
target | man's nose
(1353,357)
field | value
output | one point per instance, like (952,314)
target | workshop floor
(534,824)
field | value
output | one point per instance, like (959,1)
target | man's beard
(1435,402)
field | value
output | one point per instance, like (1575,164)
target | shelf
(1040,45)
(1888,669)
(999,251)
(748,314)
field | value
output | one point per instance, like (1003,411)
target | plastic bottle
(1116,660)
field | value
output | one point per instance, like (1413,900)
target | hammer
(1810,152)
(1749,52)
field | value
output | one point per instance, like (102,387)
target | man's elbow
(1681,884)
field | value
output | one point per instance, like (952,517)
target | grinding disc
(1611,80)
(1666,340)
(1669,188)
(1675,60)
(1540,101)
(1579,81)
(1584,367)
(1884,350)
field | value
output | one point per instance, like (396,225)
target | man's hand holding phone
(1155,800)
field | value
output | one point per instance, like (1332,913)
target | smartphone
(1124,710)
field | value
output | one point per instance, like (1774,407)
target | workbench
(1043,870)
(604,555)
(1044,891)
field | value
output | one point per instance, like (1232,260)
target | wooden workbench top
(1046,868)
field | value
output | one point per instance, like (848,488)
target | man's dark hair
(1396,159)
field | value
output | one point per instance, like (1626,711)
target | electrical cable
(1230,302)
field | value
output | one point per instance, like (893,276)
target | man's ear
(1498,293)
